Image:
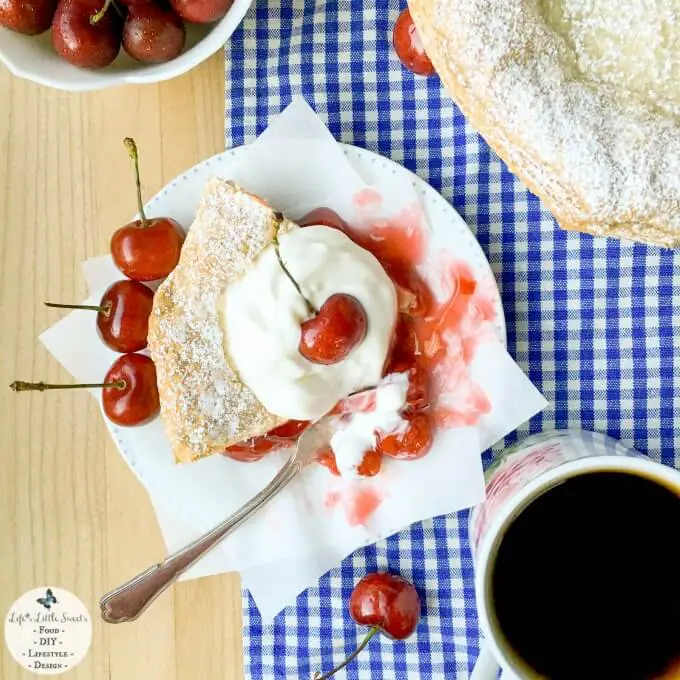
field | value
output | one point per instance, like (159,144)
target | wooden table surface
(72,514)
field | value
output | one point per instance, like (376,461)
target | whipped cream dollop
(261,315)
(357,435)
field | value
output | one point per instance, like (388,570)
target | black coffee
(587,580)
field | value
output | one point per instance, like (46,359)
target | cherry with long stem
(148,248)
(351,657)
(385,602)
(129,390)
(122,315)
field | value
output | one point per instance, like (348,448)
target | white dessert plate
(147,450)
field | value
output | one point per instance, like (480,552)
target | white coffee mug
(520,475)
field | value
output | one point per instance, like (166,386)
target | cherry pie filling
(415,349)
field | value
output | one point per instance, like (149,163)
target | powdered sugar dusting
(634,47)
(204,404)
(602,156)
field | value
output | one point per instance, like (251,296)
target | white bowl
(35,59)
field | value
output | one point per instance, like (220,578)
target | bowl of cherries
(145,250)
(93,44)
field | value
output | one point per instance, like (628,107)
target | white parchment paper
(311,525)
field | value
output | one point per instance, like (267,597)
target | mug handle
(486,667)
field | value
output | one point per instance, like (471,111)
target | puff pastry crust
(604,161)
(204,404)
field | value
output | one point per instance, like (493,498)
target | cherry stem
(278,217)
(351,657)
(103,309)
(134,156)
(21,386)
(96,18)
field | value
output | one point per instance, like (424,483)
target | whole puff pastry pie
(581,98)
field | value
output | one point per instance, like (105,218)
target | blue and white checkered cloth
(589,320)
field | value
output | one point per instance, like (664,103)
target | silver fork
(129,601)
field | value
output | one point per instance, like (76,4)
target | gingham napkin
(589,320)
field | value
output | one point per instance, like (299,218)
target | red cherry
(414,442)
(371,464)
(255,448)
(129,391)
(250,450)
(290,430)
(81,41)
(386,602)
(135,401)
(122,315)
(146,249)
(324,217)
(332,334)
(152,33)
(29,17)
(243,456)
(408,46)
(125,325)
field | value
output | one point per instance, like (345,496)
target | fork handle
(129,601)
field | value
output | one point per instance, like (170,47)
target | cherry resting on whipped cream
(414,436)
(336,329)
